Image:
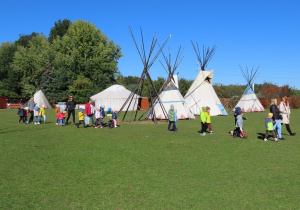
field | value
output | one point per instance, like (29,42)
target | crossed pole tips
(147,63)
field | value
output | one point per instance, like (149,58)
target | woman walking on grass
(285,110)
(276,117)
(71,109)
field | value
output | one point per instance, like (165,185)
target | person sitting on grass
(239,126)
(114,117)
(42,114)
(269,123)
(110,122)
(56,113)
(203,118)
(171,116)
(208,121)
(36,112)
(21,114)
(81,118)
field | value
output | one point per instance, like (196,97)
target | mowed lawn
(142,166)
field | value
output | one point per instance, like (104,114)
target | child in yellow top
(57,110)
(42,114)
(81,118)
(208,120)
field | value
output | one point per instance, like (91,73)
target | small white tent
(40,99)
(201,93)
(171,95)
(249,101)
(114,97)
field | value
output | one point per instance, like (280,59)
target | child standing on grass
(110,122)
(36,113)
(42,113)
(102,115)
(114,117)
(171,116)
(65,115)
(81,118)
(60,117)
(97,116)
(203,118)
(208,121)
(21,114)
(26,114)
(56,113)
(269,123)
(239,125)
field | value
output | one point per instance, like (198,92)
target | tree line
(75,59)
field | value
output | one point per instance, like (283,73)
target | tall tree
(59,30)
(88,52)
(24,39)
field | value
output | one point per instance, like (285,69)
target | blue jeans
(36,119)
(278,127)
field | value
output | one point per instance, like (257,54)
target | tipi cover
(249,101)
(202,93)
(171,95)
(40,99)
(114,97)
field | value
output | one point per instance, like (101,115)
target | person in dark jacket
(71,105)
(276,117)
(31,106)
(102,115)
(21,114)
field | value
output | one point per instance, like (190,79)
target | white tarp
(114,97)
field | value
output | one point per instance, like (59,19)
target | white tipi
(201,93)
(249,101)
(171,95)
(40,99)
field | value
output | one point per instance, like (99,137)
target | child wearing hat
(110,122)
(114,117)
(26,115)
(21,114)
(269,123)
(42,113)
(36,113)
(203,118)
(81,118)
(208,121)
(171,116)
(239,126)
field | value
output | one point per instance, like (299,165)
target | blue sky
(254,33)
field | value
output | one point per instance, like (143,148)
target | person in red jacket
(88,110)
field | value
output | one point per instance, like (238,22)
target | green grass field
(142,166)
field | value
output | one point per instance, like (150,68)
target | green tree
(59,30)
(29,63)
(88,52)
(81,89)
(25,39)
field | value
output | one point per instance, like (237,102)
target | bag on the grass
(86,120)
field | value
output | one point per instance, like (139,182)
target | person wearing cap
(36,115)
(110,122)
(203,118)
(269,123)
(102,115)
(239,126)
(171,116)
(42,114)
(236,109)
(114,117)
(26,114)
(81,118)
(21,114)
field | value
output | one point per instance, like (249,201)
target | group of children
(98,113)
(39,114)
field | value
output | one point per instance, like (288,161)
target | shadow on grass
(261,136)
